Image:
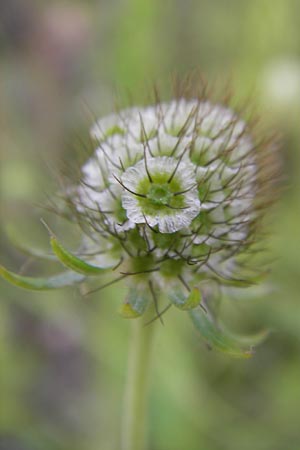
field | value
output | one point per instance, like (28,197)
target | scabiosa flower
(173,197)
(173,193)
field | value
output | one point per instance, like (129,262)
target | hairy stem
(134,426)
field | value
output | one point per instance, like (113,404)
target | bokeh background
(62,356)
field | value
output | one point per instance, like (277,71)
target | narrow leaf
(248,281)
(217,338)
(251,340)
(235,282)
(41,284)
(184,302)
(135,304)
(73,262)
(193,299)
(27,249)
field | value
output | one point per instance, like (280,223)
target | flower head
(173,196)
(175,190)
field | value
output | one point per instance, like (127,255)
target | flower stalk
(134,418)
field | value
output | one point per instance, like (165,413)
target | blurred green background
(62,356)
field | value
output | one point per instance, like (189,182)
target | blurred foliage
(62,356)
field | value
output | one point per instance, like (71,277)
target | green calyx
(160,193)
(171,267)
(144,137)
(199,158)
(135,303)
(185,302)
(165,241)
(120,212)
(142,266)
(113,130)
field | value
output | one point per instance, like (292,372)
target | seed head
(173,193)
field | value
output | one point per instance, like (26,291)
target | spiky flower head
(172,197)
(172,193)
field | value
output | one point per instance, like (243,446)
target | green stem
(136,393)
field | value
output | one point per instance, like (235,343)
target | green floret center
(120,212)
(113,130)
(199,158)
(161,194)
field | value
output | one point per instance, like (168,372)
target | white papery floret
(102,126)
(118,123)
(165,145)
(110,203)
(168,220)
(181,116)
(126,153)
(95,171)
(218,120)
(143,124)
